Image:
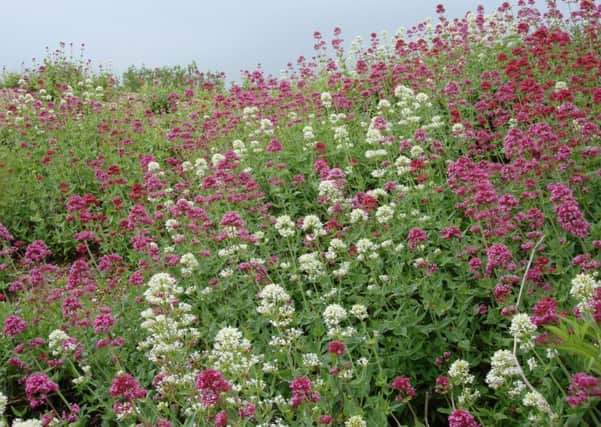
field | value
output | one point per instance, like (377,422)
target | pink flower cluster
(211,384)
(37,388)
(403,385)
(582,388)
(302,391)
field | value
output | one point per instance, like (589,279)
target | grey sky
(225,35)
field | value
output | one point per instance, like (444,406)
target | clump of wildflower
(231,353)
(14,325)
(189,263)
(406,391)
(284,226)
(544,311)
(459,373)
(302,391)
(37,388)
(211,383)
(59,342)
(18,422)
(583,287)
(3,402)
(311,265)
(127,389)
(333,315)
(36,251)
(311,360)
(124,385)
(462,418)
(522,329)
(336,347)
(503,368)
(326,99)
(276,305)
(582,388)
(355,421)
(359,311)
(535,400)
(415,236)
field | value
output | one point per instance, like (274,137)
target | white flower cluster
(200,167)
(18,422)
(308,134)
(409,103)
(168,321)
(56,340)
(330,190)
(189,264)
(285,226)
(231,353)
(232,249)
(357,215)
(265,127)
(341,137)
(376,154)
(286,338)
(359,311)
(333,316)
(355,421)
(3,402)
(162,290)
(459,372)
(313,223)
(335,247)
(311,265)
(249,113)
(583,287)
(342,270)
(384,214)
(523,329)
(402,164)
(503,368)
(326,99)
(311,360)
(366,249)
(276,305)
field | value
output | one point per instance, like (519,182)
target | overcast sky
(225,35)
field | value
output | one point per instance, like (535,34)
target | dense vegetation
(403,234)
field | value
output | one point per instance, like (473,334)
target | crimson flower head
(211,383)
(403,385)
(336,347)
(462,418)
(126,386)
(37,388)
(14,325)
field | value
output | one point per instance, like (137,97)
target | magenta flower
(36,251)
(221,419)
(336,347)
(14,325)
(126,386)
(37,388)
(403,385)
(583,387)
(211,384)
(273,146)
(103,322)
(462,418)
(302,390)
(415,236)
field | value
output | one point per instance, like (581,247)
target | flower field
(404,233)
